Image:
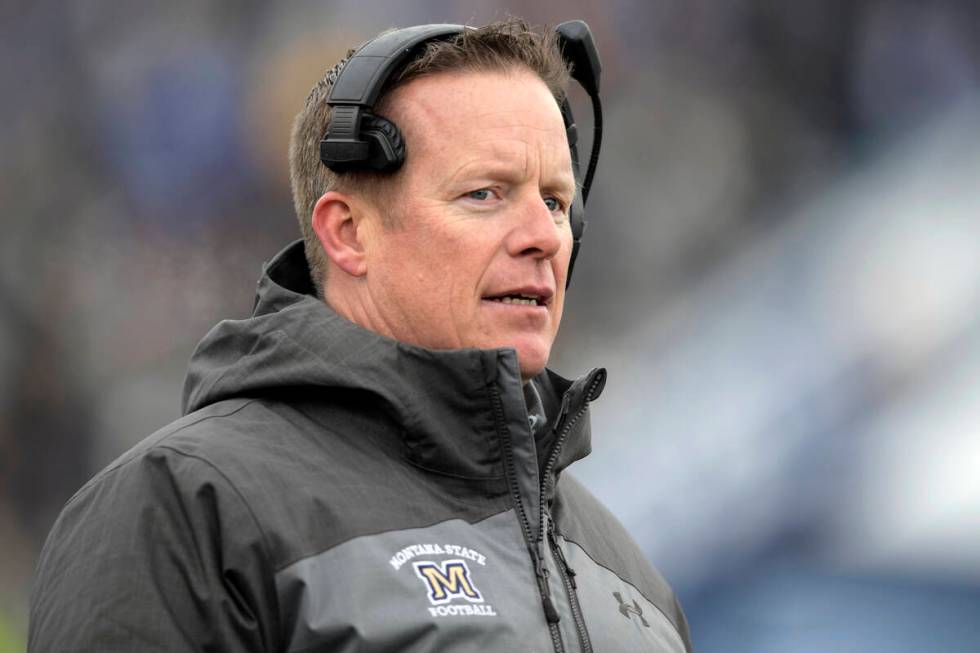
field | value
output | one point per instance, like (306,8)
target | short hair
(501,46)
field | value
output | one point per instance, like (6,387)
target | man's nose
(536,233)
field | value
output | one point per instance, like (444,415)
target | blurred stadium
(781,272)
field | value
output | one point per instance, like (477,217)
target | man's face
(479,248)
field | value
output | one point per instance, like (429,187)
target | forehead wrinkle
(511,145)
(496,158)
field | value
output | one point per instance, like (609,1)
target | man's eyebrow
(500,169)
(562,182)
(492,169)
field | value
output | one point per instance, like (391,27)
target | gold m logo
(447,581)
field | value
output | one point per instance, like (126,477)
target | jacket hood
(293,341)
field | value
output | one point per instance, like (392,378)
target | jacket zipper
(568,579)
(535,551)
(564,570)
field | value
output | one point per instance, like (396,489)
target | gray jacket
(332,490)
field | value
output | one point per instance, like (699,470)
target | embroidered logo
(450,584)
(627,610)
(447,581)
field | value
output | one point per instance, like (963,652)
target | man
(374,460)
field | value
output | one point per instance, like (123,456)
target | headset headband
(358,139)
(357,88)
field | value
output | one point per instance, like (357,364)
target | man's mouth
(532,294)
(527,300)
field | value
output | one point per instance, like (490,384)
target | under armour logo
(626,610)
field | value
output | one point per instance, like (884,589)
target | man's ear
(337,224)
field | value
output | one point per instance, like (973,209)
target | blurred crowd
(781,272)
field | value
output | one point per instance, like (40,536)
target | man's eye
(554,204)
(480,195)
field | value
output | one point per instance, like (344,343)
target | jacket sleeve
(159,553)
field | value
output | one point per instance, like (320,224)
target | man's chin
(532,353)
(532,363)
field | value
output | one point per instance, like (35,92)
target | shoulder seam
(285,566)
(119,465)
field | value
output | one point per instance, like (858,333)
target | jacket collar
(441,398)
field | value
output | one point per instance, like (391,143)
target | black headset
(358,139)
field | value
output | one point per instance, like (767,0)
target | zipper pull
(595,385)
(560,554)
(550,613)
(562,413)
(568,570)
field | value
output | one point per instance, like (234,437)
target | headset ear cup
(387,145)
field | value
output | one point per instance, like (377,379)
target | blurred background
(781,272)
